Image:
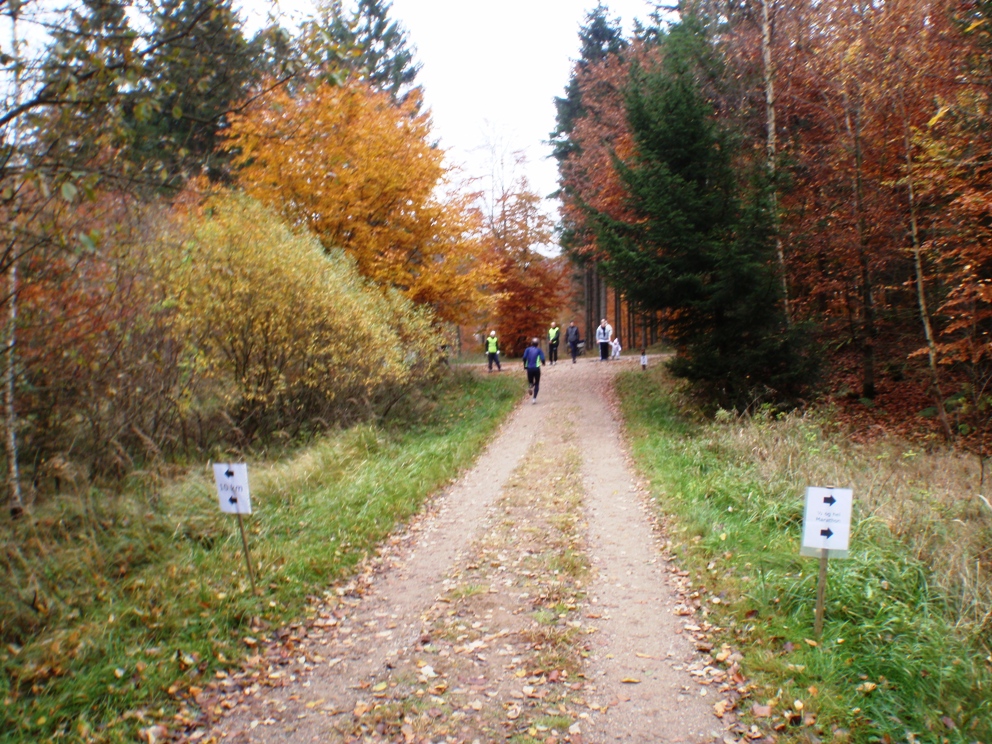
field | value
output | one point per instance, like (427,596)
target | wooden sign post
(235,498)
(826,534)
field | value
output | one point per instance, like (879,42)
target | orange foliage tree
(531,288)
(360,171)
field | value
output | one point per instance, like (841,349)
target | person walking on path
(603,335)
(554,336)
(572,339)
(492,351)
(533,359)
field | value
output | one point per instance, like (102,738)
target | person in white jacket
(616,348)
(604,334)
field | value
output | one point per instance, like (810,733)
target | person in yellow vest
(492,351)
(554,336)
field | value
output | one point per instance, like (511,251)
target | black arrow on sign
(233,500)
(829,500)
(229,473)
(827,533)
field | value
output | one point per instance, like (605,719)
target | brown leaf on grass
(721,707)
(360,710)
(948,722)
(761,711)
(810,642)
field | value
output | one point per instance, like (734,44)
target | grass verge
(905,653)
(110,605)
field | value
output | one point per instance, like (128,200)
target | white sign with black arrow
(827,522)
(232,491)
(232,488)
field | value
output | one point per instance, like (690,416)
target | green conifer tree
(701,246)
(599,38)
(366,44)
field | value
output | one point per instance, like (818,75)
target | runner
(533,359)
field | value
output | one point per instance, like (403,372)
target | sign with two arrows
(827,522)
(232,491)
(232,488)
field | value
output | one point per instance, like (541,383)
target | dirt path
(531,602)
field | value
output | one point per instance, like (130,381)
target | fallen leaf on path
(154,734)
(630,681)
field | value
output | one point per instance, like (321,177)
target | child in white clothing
(616,348)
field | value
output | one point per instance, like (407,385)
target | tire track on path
(641,638)
(387,618)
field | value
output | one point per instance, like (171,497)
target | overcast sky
(491,71)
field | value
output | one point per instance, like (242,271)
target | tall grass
(905,654)
(108,601)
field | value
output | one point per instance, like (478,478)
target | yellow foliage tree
(360,172)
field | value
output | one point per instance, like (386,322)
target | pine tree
(365,44)
(155,98)
(701,245)
(599,38)
(203,67)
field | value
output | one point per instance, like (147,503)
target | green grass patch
(108,601)
(897,661)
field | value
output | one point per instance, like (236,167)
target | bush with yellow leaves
(280,333)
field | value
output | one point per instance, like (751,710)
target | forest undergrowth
(906,651)
(114,606)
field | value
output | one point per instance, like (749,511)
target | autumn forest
(799,188)
(210,238)
(792,192)
(219,242)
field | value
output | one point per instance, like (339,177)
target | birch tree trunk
(772,145)
(921,294)
(14,498)
(15,501)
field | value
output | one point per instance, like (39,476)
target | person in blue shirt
(533,359)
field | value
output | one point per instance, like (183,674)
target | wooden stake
(821,593)
(244,542)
